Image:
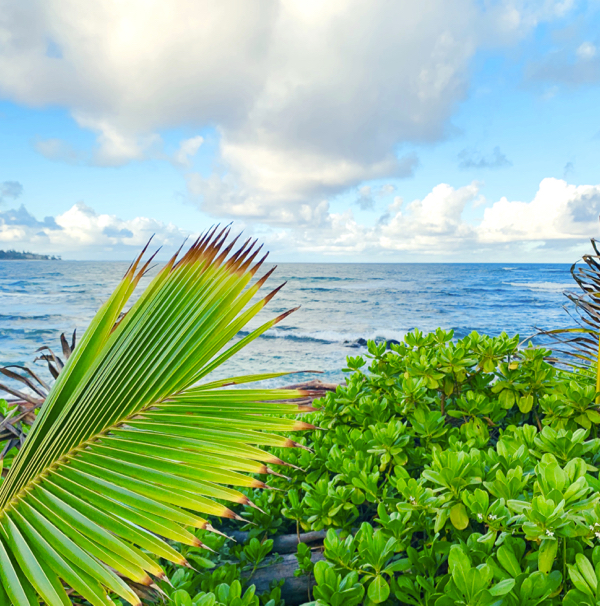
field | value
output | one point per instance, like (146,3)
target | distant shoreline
(13,255)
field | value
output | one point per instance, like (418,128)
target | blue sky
(356,131)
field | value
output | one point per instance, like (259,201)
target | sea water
(340,304)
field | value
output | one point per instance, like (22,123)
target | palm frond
(129,451)
(580,344)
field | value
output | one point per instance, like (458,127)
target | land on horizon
(13,255)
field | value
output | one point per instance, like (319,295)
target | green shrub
(445,472)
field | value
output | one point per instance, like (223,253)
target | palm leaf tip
(129,451)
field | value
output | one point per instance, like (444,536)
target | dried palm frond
(579,345)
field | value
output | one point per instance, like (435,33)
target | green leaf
(578,580)
(525,403)
(593,416)
(502,588)
(587,571)
(459,566)
(379,590)
(200,561)
(129,448)
(459,517)
(546,555)
(508,561)
(181,598)
(577,598)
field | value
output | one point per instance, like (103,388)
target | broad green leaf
(578,580)
(547,554)
(508,561)
(525,403)
(379,590)
(587,571)
(459,516)
(503,587)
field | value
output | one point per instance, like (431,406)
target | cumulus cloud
(10,190)
(440,226)
(315,98)
(558,212)
(115,148)
(560,218)
(471,158)
(81,230)
(21,218)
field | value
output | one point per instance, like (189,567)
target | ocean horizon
(342,304)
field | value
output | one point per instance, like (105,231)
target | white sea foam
(550,286)
(332,336)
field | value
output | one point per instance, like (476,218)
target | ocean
(340,304)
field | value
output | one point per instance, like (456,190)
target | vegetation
(445,472)
(449,473)
(129,451)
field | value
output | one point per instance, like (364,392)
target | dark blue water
(340,304)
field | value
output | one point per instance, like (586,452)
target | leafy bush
(449,472)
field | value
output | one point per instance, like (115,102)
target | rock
(356,344)
(391,342)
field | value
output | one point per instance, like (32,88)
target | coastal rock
(363,343)
(356,344)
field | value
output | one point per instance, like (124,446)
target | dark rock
(356,344)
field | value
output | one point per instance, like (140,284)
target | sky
(339,131)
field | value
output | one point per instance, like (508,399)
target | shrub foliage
(445,472)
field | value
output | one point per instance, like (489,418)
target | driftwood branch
(286,543)
(295,589)
(314,385)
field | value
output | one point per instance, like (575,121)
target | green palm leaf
(128,451)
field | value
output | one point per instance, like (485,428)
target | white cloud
(188,148)
(558,221)
(81,232)
(309,98)
(559,211)
(556,225)
(425,222)
(587,50)
(116,146)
